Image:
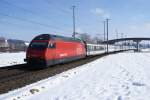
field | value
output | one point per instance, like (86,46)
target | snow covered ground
(7,59)
(123,76)
(146,50)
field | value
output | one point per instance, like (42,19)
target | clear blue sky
(24,19)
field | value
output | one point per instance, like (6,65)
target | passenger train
(48,49)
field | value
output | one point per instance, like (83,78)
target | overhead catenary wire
(32,22)
(42,16)
(32,12)
(60,9)
(19,25)
(12,4)
(27,20)
(66,11)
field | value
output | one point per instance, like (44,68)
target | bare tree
(97,40)
(85,37)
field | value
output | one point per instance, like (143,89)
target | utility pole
(116,34)
(107,32)
(117,38)
(74,24)
(104,23)
(122,36)
(104,30)
(125,42)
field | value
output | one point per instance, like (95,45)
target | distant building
(3,44)
(12,45)
(17,45)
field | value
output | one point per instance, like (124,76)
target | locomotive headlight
(28,56)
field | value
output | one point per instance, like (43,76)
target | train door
(52,53)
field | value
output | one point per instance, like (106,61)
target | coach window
(52,45)
(92,48)
(88,48)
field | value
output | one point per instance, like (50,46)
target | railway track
(13,77)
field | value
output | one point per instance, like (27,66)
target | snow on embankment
(8,59)
(124,76)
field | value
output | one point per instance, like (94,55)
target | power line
(6,2)
(29,21)
(60,9)
(34,13)
(107,32)
(64,11)
(19,25)
(29,11)
(11,4)
(104,22)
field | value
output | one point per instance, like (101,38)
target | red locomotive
(49,49)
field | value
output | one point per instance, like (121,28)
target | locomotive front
(36,52)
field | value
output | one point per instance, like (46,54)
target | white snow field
(8,59)
(123,76)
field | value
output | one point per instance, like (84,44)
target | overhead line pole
(117,34)
(107,33)
(122,36)
(74,24)
(104,31)
(104,23)
(117,38)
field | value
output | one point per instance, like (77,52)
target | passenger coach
(95,49)
(49,49)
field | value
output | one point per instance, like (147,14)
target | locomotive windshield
(38,45)
(42,37)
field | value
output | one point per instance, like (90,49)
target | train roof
(55,37)
(95,44)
